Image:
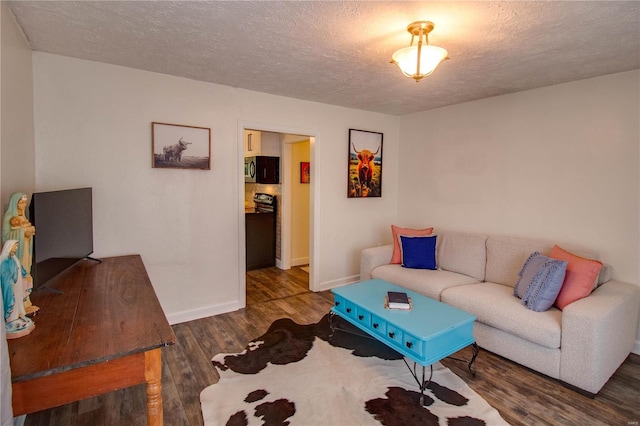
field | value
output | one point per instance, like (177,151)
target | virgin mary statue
(16,226)
(12,279)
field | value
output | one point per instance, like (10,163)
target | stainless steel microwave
(250,169)
(262,169)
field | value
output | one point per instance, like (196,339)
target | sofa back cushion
(463,253)
(506,255)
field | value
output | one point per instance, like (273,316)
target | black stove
(265,203)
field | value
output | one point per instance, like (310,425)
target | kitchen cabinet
(267,170)
(252,143)
(270,144)
(258,143)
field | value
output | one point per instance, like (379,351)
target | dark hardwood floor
(523,397)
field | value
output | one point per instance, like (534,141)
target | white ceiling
(338,52)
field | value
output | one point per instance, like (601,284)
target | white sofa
(582,345)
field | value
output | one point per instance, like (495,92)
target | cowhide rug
(303,375)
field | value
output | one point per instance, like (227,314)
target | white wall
(93,128)
(17,162)
(560,163)
(17,149)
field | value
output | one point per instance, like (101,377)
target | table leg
(475,349)
(153,377)
(422,384)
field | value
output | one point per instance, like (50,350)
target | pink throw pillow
(396,257)
(581,275)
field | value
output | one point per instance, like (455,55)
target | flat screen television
(64,231)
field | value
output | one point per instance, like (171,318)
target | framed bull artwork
(365,164)
(180,147)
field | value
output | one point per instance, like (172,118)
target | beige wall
(300,151)
(17,158)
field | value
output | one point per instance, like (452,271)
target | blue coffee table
(427,333)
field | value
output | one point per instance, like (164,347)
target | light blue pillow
(540,281)
(418,252)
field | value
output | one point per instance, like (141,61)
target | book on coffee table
(398,300)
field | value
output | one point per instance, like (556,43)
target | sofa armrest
(371,258)
(598,333)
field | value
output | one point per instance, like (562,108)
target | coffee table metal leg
(422,384)
(474,354)
(331,326)
(355,331)
(475,349)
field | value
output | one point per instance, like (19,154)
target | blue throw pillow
(540,281)
(418,252)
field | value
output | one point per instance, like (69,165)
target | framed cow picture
(175,146)
(365,164)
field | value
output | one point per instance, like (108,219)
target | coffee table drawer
(412,344)
(363,316)
(345,306)
(394,334)
(378,326)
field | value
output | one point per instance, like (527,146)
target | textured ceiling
(338,52)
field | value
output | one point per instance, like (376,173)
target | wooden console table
(104,333)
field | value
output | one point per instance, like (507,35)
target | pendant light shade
(419,60)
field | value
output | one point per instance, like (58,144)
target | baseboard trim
(328,285)
(206,311)
(636,348)
(300,261)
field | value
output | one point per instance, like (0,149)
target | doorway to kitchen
(295,194)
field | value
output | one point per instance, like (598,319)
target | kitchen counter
(260,239)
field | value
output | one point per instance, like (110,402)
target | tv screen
(64,231)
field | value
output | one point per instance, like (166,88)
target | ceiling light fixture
(422,59)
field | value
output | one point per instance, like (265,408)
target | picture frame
(305,172)
(177,146)
(364,164)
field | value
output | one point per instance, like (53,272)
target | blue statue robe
(8,276)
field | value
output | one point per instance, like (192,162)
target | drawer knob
(375,325)
(360,317)
(391,334)
(409,345)
(348,310)
(337,303)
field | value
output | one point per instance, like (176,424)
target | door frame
(314,223)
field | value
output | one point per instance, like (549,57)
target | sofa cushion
(494,305)
(581,278)
(506,255)
(418,252)
(462,253)
(424,281)
(540,280)
(396,231)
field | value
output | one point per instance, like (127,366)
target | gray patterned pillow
(540,281)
